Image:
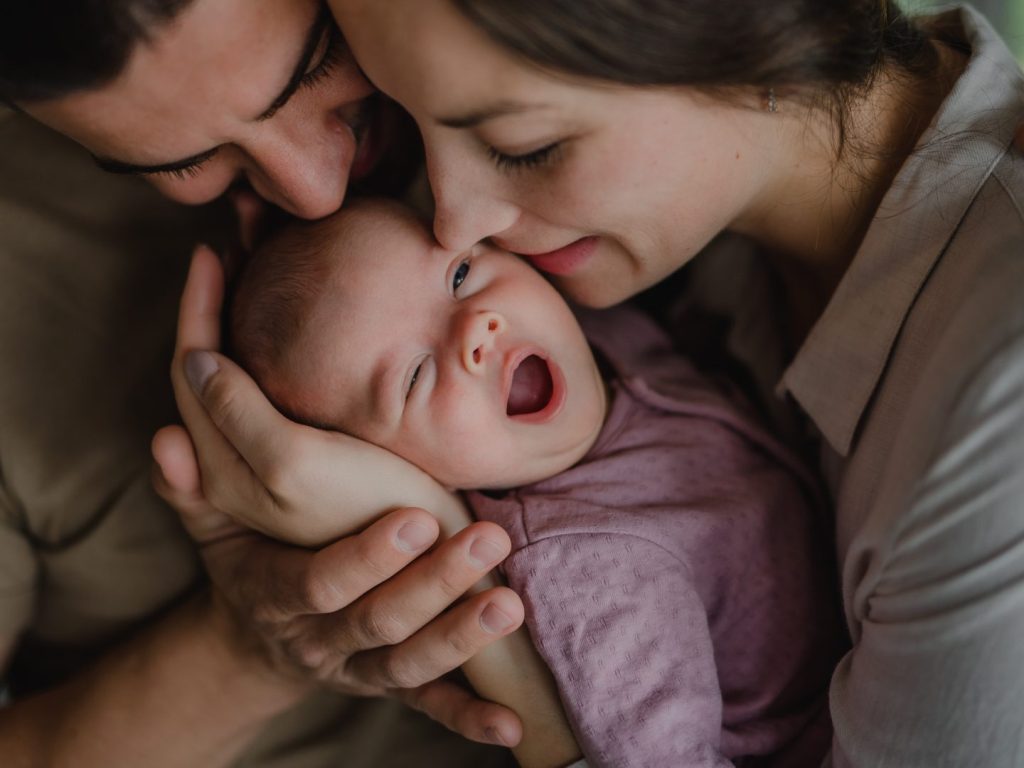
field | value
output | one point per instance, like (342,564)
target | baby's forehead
(364,246)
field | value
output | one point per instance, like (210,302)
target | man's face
(264,90)
(467,364)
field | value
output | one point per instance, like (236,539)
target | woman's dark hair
(50,48)
(824,49)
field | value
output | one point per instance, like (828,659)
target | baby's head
(469,365)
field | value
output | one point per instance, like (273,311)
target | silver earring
(771,103)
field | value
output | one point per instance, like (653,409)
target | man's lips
(533,387)
(566,259)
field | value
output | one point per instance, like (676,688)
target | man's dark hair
(50,48)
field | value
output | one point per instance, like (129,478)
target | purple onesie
(678,580)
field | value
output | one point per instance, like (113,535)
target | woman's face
(258,89)
(608,189)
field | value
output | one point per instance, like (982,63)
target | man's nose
(479,333)
(303,171)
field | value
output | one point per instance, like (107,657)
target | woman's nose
(479,332)
(464,212)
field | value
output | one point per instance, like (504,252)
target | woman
(866,162)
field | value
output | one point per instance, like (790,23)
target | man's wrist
(245,649)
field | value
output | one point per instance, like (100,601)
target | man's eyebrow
(499,109)
(313,38)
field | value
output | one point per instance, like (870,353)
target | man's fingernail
(483,553)
(493,735)
(199,367)
(495,621)
(414,537)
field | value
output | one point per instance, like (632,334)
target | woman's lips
(566,259)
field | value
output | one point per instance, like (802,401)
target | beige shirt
(91,267)
(913,379)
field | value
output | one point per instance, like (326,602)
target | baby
(676,576)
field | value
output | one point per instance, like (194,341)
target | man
(196,97)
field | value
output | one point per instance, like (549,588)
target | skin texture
(391,310)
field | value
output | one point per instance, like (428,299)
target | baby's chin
(512,473)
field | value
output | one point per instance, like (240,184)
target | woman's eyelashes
(528,160)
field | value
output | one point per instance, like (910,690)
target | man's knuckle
(307,652)
(319,593)
(400,673)
(381,627)
(462,644)
(222,401)
(448,579)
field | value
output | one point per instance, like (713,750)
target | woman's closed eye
(528,160)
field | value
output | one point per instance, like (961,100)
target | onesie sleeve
(936,675)
(618,621)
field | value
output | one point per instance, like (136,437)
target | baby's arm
(509,671)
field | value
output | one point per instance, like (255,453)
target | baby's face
(470,365)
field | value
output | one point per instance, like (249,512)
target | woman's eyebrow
(312,42)
(489,112)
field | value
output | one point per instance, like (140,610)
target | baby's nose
(480,331)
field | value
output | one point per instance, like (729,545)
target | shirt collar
(839,365)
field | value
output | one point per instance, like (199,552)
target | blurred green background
(1006,15)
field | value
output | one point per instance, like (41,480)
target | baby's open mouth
(532,387)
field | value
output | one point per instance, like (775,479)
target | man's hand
(367,614)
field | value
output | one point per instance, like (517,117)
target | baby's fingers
(459,710)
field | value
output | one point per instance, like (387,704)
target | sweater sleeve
(619,623)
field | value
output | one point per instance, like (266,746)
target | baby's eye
(460,275)
(412,381)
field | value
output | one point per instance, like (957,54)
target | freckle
(737,155)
